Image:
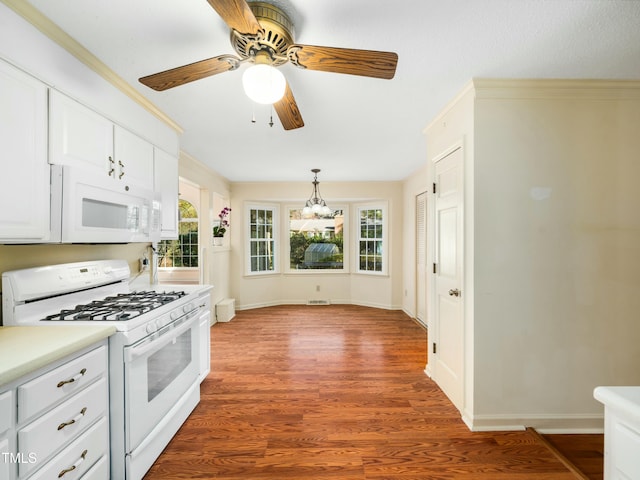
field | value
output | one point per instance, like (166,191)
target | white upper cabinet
(24,181)
(166,185)
(81,137)
(133,158)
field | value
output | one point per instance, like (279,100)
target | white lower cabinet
(79,456)
(621,431)
(58,426)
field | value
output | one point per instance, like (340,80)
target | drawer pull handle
(73,420)
(74,466)
(72,379)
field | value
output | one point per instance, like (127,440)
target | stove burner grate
(121,307)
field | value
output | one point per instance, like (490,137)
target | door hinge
(435,348)
(434,188)
(435,268)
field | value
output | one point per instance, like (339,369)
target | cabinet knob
(454,292)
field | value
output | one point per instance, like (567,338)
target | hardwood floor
(335,392)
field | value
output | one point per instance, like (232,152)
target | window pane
(316,242)
(182,252)
(261,249)
(371,240)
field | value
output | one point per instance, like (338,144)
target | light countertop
(623,400)
(26,349)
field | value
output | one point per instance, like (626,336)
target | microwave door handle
(154,344)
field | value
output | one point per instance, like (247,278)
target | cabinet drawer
(80,456)
(60,383)
(100,471)
(6,411)
(61,425)
(6,466)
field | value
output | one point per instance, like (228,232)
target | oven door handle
(153,343)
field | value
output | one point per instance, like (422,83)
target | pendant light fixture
(316,205)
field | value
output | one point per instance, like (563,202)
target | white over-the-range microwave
(87,208)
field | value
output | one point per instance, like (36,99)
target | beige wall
(558,226)
(212,187)
(16,257)
(377,291)
(552,247)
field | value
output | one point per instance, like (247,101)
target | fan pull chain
(271,117)
(253,116)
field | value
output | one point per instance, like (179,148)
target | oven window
(167,363)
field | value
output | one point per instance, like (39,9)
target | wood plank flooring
(335,392)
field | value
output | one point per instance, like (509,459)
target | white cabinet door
(205,344)
(166,184)
(24,181)
(79,136)
(133,158)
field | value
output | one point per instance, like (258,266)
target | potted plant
(221,228)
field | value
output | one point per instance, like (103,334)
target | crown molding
(55,33)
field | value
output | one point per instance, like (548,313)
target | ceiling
(356,128)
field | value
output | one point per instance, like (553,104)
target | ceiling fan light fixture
(264,84)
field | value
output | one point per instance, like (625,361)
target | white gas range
(157,357)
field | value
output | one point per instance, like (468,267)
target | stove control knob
(173,315)
(187,308)
(151,327)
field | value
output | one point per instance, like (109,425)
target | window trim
(378,205)
(275,211)
(346,244)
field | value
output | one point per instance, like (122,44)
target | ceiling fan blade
(287,110)
(367,63)
(237,14)
(189,73)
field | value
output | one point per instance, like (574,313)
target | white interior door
(447,355)
(421,258)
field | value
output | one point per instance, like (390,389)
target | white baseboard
(304,302)
(543,423)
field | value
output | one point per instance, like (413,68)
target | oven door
(159,369)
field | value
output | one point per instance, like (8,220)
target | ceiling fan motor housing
(272,43)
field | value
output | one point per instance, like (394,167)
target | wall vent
(318,302)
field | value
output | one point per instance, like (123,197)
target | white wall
(378,291)
(552,247)
(454,127)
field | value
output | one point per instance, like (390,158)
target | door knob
(454,292)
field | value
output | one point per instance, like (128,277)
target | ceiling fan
(262,34)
